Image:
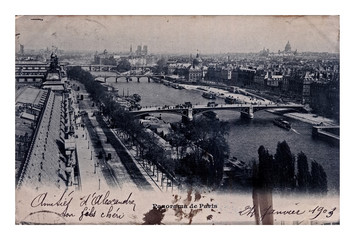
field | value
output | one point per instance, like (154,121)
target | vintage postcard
(177,120)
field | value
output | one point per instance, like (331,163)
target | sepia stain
(197,196)
(179,213)
(188,200)
(154,216)
(209,217)
(176,198)
(192,214)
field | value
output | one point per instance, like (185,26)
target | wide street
(103,160)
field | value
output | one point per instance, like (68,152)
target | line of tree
(278,172)
(129,128)
(204,136)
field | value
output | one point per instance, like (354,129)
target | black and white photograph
(177,120)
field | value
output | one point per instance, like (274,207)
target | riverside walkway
(114,165)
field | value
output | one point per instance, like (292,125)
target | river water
(245,136)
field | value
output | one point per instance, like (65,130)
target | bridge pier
(138,79)
(148,79)
(90,68)
(189,116)
(116,79)
(127,79)
(248,114)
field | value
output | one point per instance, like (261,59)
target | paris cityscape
(131,115)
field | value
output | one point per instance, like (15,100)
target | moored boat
(137,97)
(282,123)
(230,100)
(209,95)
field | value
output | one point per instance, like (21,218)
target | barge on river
(230,100)
(282,123)
(209,95)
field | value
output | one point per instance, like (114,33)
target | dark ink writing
(317,211)
(105,199)
(111,214)
(248,211)
(87,213)
(63,201)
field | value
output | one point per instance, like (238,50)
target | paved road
(120,171)
(105,168)
(133,171)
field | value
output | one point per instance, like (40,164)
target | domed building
(195,73)
(286,53)
(197,62)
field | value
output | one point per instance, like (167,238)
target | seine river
(245,136)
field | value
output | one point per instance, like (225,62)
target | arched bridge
(129,76)
(189,111)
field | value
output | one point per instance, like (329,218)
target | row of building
(45,150)
(309,79)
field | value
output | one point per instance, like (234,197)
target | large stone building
(325,98)
(190,72)
(53,78)
(194,73)
(30,73)
(242,76)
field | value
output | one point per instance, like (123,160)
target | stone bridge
(246,110)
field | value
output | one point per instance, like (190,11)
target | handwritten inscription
(64,200)
(94,205)
(315,212)
(106,205)
(105,199)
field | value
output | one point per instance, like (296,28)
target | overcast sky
(180,34)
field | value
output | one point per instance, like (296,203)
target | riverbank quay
(222,93)
(165,182)
(127,161)
(303,116)
(327,133)
(153,172)
(311,118)
(322,128)
(109,159)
